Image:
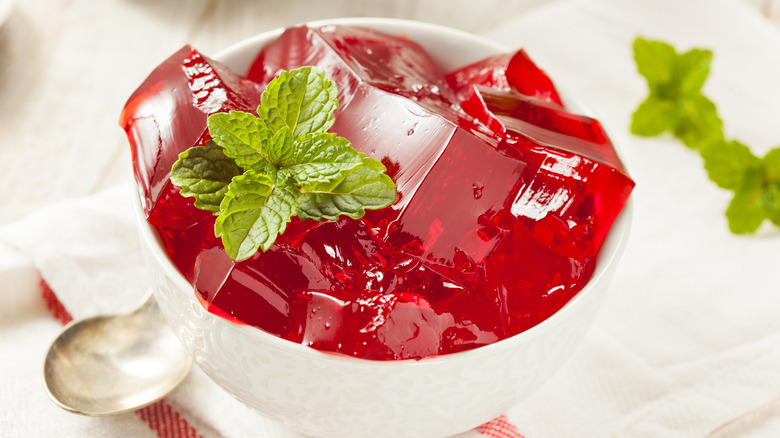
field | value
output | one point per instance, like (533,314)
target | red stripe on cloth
(54,305)
(168,423)
(499,428)
(161,417)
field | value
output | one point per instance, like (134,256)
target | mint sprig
(261,170)
(755,182)
(675,103)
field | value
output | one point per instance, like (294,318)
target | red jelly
(504,198)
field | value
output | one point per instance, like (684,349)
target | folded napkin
(688,341)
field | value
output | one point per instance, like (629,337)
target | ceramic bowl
(326,395)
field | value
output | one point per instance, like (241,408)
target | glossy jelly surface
(504,198)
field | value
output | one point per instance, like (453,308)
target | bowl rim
(370,22)
(608,256)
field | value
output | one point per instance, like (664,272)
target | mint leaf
(699,123)
(281,146)
(691,70)
(260,171)
(303,100)
(204,173)
(745,213)
(362,188)
(755,182)
(771,197)
(727,162)
(241,134)
(771,163)
(655,116)
(655,61)
(771,202)
(321,158)
(253,213)
(675,102)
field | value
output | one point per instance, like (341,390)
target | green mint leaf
(363,188)
(745,212)
(771,202)
(260,171)
(699,123)
(770,199)
(321,158)
(675,101)
(241,134)
(204,172)
(771,164)
(691,70)
(727,162)
(253,213)
(281,147)
(756,184)
(655,116)
(303,100)
(655,61)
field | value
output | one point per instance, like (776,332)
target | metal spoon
(108,365)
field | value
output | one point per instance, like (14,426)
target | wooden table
(68,67)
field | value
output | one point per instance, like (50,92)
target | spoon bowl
(108,365)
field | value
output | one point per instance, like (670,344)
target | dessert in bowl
(428,344)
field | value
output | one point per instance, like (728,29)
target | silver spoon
(108,365)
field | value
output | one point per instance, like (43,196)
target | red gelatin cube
(257,296)
(533,281)
(488,72)
(469,180)
(473,105)
(506,72)
(551,126)
(162,120)
(528,79)
(570,202)
(352,56)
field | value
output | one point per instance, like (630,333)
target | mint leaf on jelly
(321,158)
(260,171)
(242,135)
(364,187)
(303,100)
(280,147)
(204,172)
(253,213)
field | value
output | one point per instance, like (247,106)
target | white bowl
(326,395)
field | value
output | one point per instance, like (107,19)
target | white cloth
(689,336)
